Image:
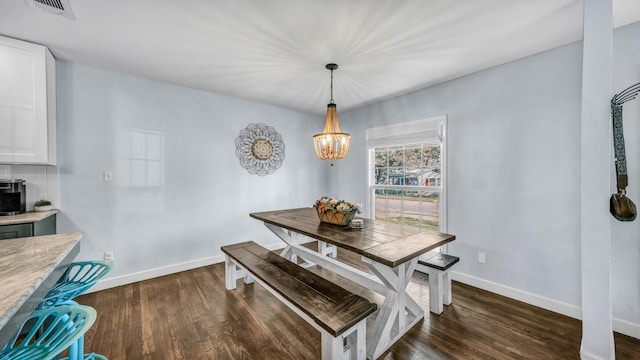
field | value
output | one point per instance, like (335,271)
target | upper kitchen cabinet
(27,103)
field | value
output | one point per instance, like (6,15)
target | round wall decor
(260,149)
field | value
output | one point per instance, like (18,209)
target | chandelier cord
(331,100)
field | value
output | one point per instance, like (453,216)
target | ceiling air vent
(58,7)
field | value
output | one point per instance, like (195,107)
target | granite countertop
(28,268)
(25,218)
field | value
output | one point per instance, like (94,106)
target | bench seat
(336,312)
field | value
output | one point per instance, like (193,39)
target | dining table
(390,251)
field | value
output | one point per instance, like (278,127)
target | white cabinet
(27,103)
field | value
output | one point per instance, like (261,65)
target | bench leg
(436,290)
(439,290)
(327,249)
(334,348)
(233,272)
(357,341)
(446,284)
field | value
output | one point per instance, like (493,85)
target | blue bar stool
(49,332)
(76,280)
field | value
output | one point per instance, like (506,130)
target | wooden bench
(338,314)
(437,267)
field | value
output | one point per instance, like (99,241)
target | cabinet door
(45,226)
(26,107)
(15,231)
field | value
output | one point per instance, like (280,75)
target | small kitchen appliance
(13,197)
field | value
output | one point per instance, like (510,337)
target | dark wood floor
(190,315)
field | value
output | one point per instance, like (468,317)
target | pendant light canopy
(331,144)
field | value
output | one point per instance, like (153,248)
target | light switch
(108,176)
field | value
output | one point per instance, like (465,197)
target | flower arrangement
(334,211)
(327,203)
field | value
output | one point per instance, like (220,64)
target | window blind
(425,131)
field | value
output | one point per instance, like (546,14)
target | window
(407,173)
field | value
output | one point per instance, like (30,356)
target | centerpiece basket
(333,211)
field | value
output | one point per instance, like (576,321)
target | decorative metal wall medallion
(260,149)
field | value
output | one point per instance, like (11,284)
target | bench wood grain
(332,308)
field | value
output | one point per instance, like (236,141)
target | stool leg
(76,350)
(81,348)
(73,351)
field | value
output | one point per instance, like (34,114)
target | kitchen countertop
(29,267)
(27,217)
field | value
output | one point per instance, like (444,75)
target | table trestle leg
(286,252)
(399,312)
(291,239)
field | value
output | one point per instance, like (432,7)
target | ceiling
(275,51)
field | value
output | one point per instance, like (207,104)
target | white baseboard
(626,327)
(588,356)
(619,325)
(524,296)
(111,282)
(585,355)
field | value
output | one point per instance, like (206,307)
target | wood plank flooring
(190,315)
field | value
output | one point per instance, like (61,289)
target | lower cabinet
(45,226)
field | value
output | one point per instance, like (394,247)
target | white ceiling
(275,51)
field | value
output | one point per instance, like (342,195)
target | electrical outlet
(108,176)
(108,256)
(482,257)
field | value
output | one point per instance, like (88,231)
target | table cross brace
(293,241)
(399,312)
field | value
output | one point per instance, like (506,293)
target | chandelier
(331,144)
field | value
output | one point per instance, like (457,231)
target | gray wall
(514,171)
(514,175)
(513,160)
(625,237)
(205,197)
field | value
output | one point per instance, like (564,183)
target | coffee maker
(13,197)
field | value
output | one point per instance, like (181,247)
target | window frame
(431,130)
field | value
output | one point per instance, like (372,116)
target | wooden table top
(386,243)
